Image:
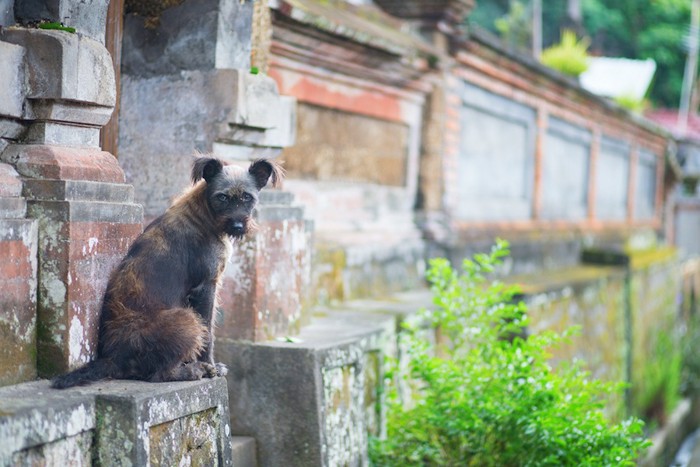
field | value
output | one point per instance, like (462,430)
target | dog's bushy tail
(93,371)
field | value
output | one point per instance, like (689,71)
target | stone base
(18,282)
(312,401)
(18,267)
(263,292)
(243,451)
(116,423)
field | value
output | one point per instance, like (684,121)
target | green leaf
(56,25)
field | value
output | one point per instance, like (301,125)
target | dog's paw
(221,369)
(210,371)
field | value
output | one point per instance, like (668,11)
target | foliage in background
(490,397)
(632,103)
(643,29)
(516,27)
(690,376)
(638,29)
(661,373)
(570,56)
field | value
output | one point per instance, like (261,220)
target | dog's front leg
(203,299)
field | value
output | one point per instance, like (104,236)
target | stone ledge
(133,422)
(325,386)
(86,211)
(63,163)
(78,190)
(32,414)
(56,63)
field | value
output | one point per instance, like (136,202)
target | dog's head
(232,192)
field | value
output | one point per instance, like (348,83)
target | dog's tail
(93,371)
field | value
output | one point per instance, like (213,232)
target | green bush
(570,56)
(487,396)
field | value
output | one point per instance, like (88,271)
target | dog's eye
(222,197)
(246,197)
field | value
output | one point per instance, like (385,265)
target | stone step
(243,453)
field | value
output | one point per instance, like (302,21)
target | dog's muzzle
(236,228)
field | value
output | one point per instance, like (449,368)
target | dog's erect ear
(263,170)
(206,168)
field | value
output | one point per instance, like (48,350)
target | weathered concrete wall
(628,317)
(655,289)
(612,180)
(538,160)
(494,125)
(687,225)
(359,126)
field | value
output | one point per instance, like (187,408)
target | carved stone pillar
(188,86)
(76,192)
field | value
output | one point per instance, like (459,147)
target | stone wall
(355,163)
(628,320)
(533,158)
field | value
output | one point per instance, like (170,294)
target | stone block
(116,423)
(260,116)
(12,208)
(206,35)
(263,292)
(80,242)
(160,134)
(325,388)
(10,130)
(66,67)
(10,183)
(163,424)
(88,17)
(18,282)
(12,77)
(51,133)
(63,163)
(41,426)
(243,451)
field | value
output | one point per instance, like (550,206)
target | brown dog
(156,322)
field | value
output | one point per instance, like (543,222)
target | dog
(157,314)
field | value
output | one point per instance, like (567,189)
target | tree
(637,29)
(643,29)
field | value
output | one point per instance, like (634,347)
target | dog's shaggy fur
(156,322)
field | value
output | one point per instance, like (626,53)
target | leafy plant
(632,103)
(570,56)
(488,396)
(515,27)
